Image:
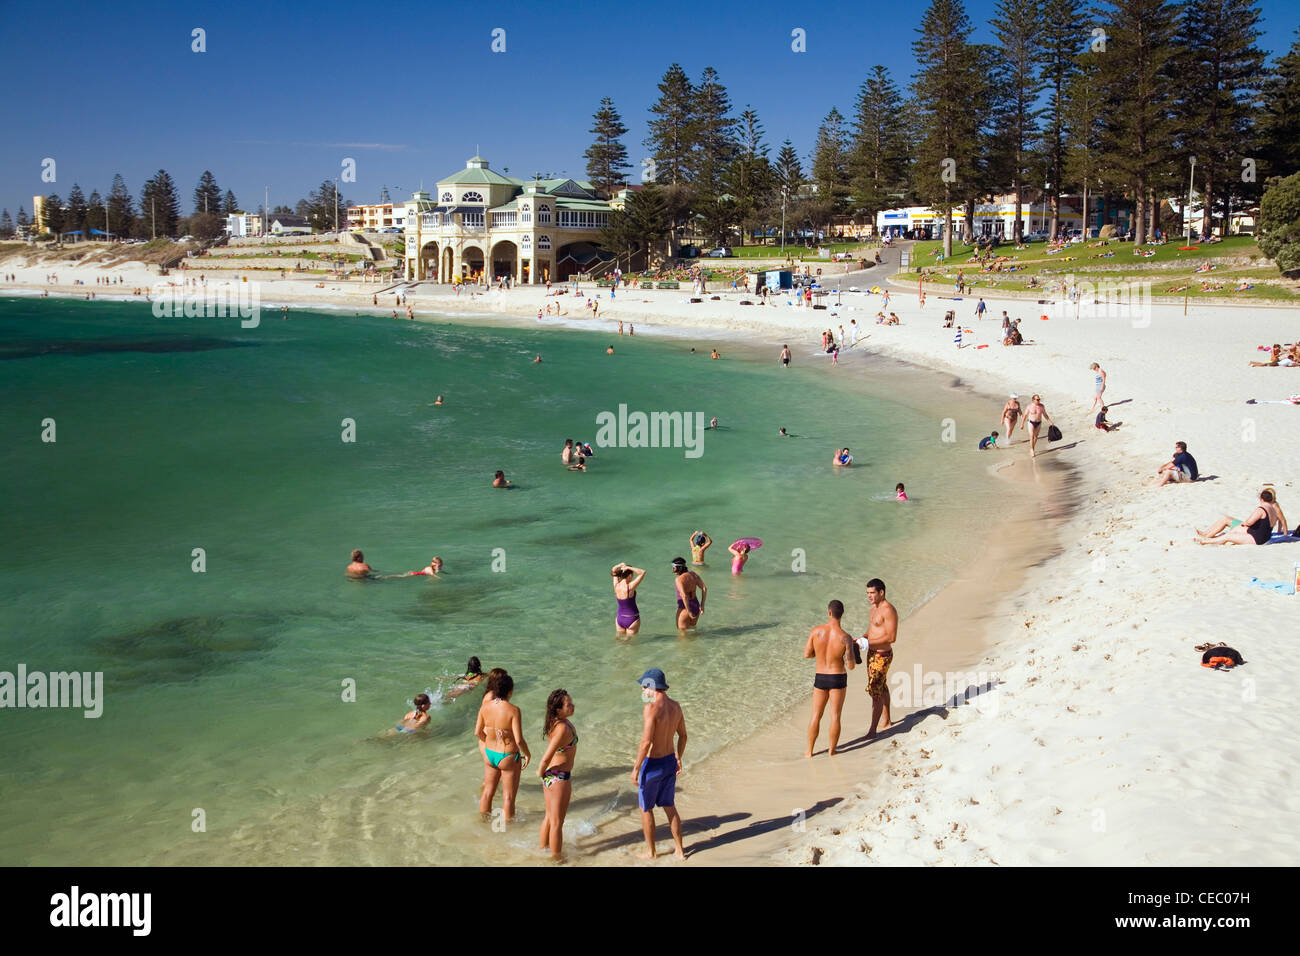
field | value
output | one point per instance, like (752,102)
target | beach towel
(1278,587)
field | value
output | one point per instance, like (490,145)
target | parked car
(722,252)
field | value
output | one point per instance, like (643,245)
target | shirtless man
(880,638)
(1034,416)
(358,568)
(830,644)
(657,763)
(1011,414)
(688,608)
(700,542)
(785,356)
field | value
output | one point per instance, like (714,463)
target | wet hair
(422,702)
(554,703)
(505,687)
(1267,496)
(899,486)
(568,441)
(499,474)
(836,609)
(494,680)
(356,555)
(621,573)
(878,584)
(473,667)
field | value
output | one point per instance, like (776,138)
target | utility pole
(1187,216)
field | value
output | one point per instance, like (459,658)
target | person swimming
(438,400)
(842,457)
(435,566)
(500,480)
(900,494)
(417,718)
(358,568)
(466,682)
(626,580)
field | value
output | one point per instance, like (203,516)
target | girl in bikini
(626,580)
(417,718)
(556,769)
(501,723)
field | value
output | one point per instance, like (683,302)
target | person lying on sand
(1256,529)
(1274,357)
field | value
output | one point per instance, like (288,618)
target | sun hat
(655,678)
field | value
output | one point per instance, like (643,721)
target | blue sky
(286,91)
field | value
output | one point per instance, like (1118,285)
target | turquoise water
(223,689)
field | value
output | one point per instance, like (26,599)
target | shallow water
(224,688)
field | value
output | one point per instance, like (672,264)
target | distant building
(991,219)
(38,215)
(484,223)
(289,226)
(377,217)
(244,224)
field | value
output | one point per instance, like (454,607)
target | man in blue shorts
(657,762)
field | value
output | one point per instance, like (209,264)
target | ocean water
(224,691)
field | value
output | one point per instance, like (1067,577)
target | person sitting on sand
(1256,529)
(500,480)
(466,682)
(417,718)
(358,568)
(990,441)
(1180,468)
(1274,357)
(1101,420)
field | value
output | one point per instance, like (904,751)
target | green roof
(597,204)
(477,177)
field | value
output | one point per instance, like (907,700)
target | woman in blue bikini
(556,769)
(500,722)
(626,579)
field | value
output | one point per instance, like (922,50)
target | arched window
(471,197)
(525,213)
(447,197)
(525,242)
(543,242)
(544,215)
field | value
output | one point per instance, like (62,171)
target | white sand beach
(1103,740)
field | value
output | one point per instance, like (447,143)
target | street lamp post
(1191,180)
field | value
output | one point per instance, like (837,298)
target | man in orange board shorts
(880,637)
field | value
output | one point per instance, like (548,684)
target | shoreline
(1102,691)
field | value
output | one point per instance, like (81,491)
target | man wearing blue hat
(657,761)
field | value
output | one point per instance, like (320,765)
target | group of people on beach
(498,728)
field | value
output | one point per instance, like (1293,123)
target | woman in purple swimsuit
(626,580)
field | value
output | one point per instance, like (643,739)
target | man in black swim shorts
(832,646)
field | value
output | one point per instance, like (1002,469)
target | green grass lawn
(1115,262)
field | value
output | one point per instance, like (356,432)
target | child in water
(417,718)
(472,677)
(900,493)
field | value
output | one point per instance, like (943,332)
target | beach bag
(1221,658)
(1053,433)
